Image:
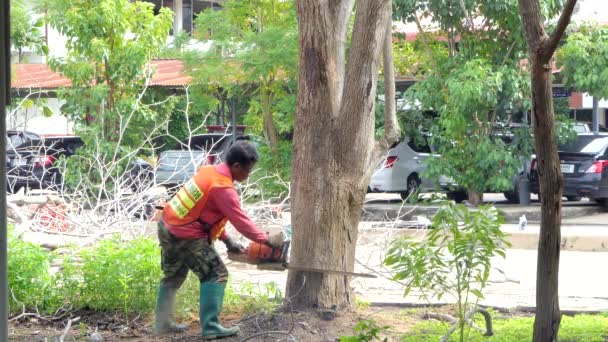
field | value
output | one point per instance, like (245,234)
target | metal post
(596,115)
(5,91)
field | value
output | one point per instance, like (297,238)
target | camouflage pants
(178,256)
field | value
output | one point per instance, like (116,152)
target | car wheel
(511,196)
(413,185)
(573,198)
(458,196)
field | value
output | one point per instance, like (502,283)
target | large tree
(474,82)
(25,31)
(334,150)
(109,46)
(254,54)
(541,47)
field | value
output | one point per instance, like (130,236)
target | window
(419,145)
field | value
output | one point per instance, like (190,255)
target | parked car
(15,138)
(176,166)
(587,127)
(584,165)
(401,171)
(32,163)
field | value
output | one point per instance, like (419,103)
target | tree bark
(541,48)
(334,147)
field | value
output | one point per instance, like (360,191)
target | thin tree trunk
(333,144)
(388,71)
(270,130)
(541,48)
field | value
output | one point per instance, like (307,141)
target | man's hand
(275,240)
(234,246)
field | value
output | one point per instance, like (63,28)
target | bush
(116,275)
(30,281)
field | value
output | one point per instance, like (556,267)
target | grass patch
(579,328)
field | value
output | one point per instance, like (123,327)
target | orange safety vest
(186,206)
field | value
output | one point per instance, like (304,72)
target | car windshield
(173,160)
(585,144)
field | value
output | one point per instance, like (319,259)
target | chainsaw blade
(319,270)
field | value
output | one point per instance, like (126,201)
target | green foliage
(25,31)
(274,173)
(113,275)
(367,331)
(472,98)
(254,56)
(473,82)
(109,46)
(580,328)
(116,275)
(30,282)
(248,298)
(584,58)
(454,258)
(109,43)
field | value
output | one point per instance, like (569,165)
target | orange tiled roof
(169,73)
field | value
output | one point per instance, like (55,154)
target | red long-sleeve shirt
(222,202)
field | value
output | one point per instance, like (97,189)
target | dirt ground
(296,326)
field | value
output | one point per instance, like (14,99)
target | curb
(386,212)
(501,309)
(572,240)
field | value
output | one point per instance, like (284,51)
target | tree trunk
(474,197)
(334,149)
(270,130)
(541,48)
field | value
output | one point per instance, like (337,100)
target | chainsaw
(276,259)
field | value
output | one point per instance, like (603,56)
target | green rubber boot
(212,299)
(165,308)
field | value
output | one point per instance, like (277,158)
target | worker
(190,223)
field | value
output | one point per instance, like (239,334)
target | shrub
(116,275)
(30,281)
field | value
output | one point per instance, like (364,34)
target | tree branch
(391,127)
(550,44)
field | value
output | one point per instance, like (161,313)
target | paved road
(512,280)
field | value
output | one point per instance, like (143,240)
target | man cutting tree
(191,221)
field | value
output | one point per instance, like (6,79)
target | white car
(402,170)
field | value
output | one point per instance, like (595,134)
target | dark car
(14,138)
(584,165)
(32,164)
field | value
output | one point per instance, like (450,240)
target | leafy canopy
(584,57)
(110,44)
(474,84)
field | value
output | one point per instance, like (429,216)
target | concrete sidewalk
(511,285)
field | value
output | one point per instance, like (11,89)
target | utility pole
(596,115)
(5,90)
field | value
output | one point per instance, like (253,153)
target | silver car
(401,172)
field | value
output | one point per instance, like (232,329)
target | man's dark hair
(242,152)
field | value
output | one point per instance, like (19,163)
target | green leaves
(454,258)
(584,57)
(254,56)
(25,32)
